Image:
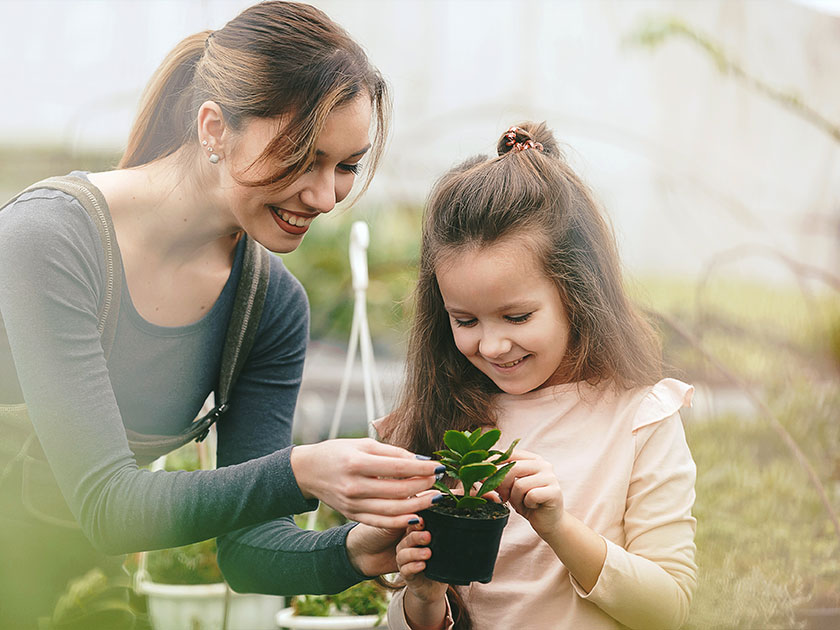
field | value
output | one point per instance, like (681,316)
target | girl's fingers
(412,553)
(522,468)
(521,454)
(537,497)
(532,492)
(416,539)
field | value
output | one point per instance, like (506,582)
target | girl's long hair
(274,59)
(534,196)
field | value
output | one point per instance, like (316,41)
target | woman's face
(279,217)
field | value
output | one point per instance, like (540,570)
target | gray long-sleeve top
(51,279)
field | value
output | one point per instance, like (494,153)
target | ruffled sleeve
(648,582)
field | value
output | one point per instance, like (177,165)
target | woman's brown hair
(273,59)
(534,196)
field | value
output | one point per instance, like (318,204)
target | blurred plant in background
(321,264)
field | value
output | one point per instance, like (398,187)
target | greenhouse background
(709,131)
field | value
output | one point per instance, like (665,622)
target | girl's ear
(211,128)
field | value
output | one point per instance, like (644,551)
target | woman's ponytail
(164,120)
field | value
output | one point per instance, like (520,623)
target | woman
(257,129)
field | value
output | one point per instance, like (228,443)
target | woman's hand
(425,599)
(533,490)
(372,550)
(366,480)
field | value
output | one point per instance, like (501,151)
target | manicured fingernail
(440,469)
(423,457)
(437,499)
(414,521)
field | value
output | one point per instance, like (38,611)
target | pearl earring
(214,157)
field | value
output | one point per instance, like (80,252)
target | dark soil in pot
(464,543)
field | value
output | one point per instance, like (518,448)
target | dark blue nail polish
(414,521)
(437,499)
(440,469)
(422,457)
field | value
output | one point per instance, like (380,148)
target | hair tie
(520,146)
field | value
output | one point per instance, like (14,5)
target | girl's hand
(412,554)
(533,490)
(365,480)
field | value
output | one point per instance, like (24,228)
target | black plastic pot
(464,546)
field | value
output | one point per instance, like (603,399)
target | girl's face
(279,217)
(507,317)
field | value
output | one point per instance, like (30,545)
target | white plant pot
(202,607)
(286,618)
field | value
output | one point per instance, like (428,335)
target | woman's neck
(172,216)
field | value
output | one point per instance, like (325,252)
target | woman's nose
(319,192)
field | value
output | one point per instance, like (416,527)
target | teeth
(292,219)
(511,364)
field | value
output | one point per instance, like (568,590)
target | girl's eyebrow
(359,153)
(522,306)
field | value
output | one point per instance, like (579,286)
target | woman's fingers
(364,480)
(388,513)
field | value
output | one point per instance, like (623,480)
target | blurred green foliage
(364,598)
(190,564)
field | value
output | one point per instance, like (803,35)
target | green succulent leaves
(467,458)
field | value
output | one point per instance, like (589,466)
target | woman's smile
(289,221)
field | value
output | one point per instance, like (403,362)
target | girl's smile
(507,317)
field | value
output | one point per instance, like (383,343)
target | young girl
(522,322)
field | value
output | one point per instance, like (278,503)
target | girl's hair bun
(527,135)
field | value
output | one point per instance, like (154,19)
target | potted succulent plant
(466,528)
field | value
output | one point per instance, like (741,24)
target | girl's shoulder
(645,406)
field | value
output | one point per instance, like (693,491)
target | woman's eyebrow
(320,153)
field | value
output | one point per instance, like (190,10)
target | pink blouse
(626,471)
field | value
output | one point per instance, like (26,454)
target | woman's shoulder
(43,209)
(44,220)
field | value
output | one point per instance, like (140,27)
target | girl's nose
(319,192)
(494,345)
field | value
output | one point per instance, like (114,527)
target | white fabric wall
(688,162)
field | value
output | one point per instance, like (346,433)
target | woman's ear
(211,129)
